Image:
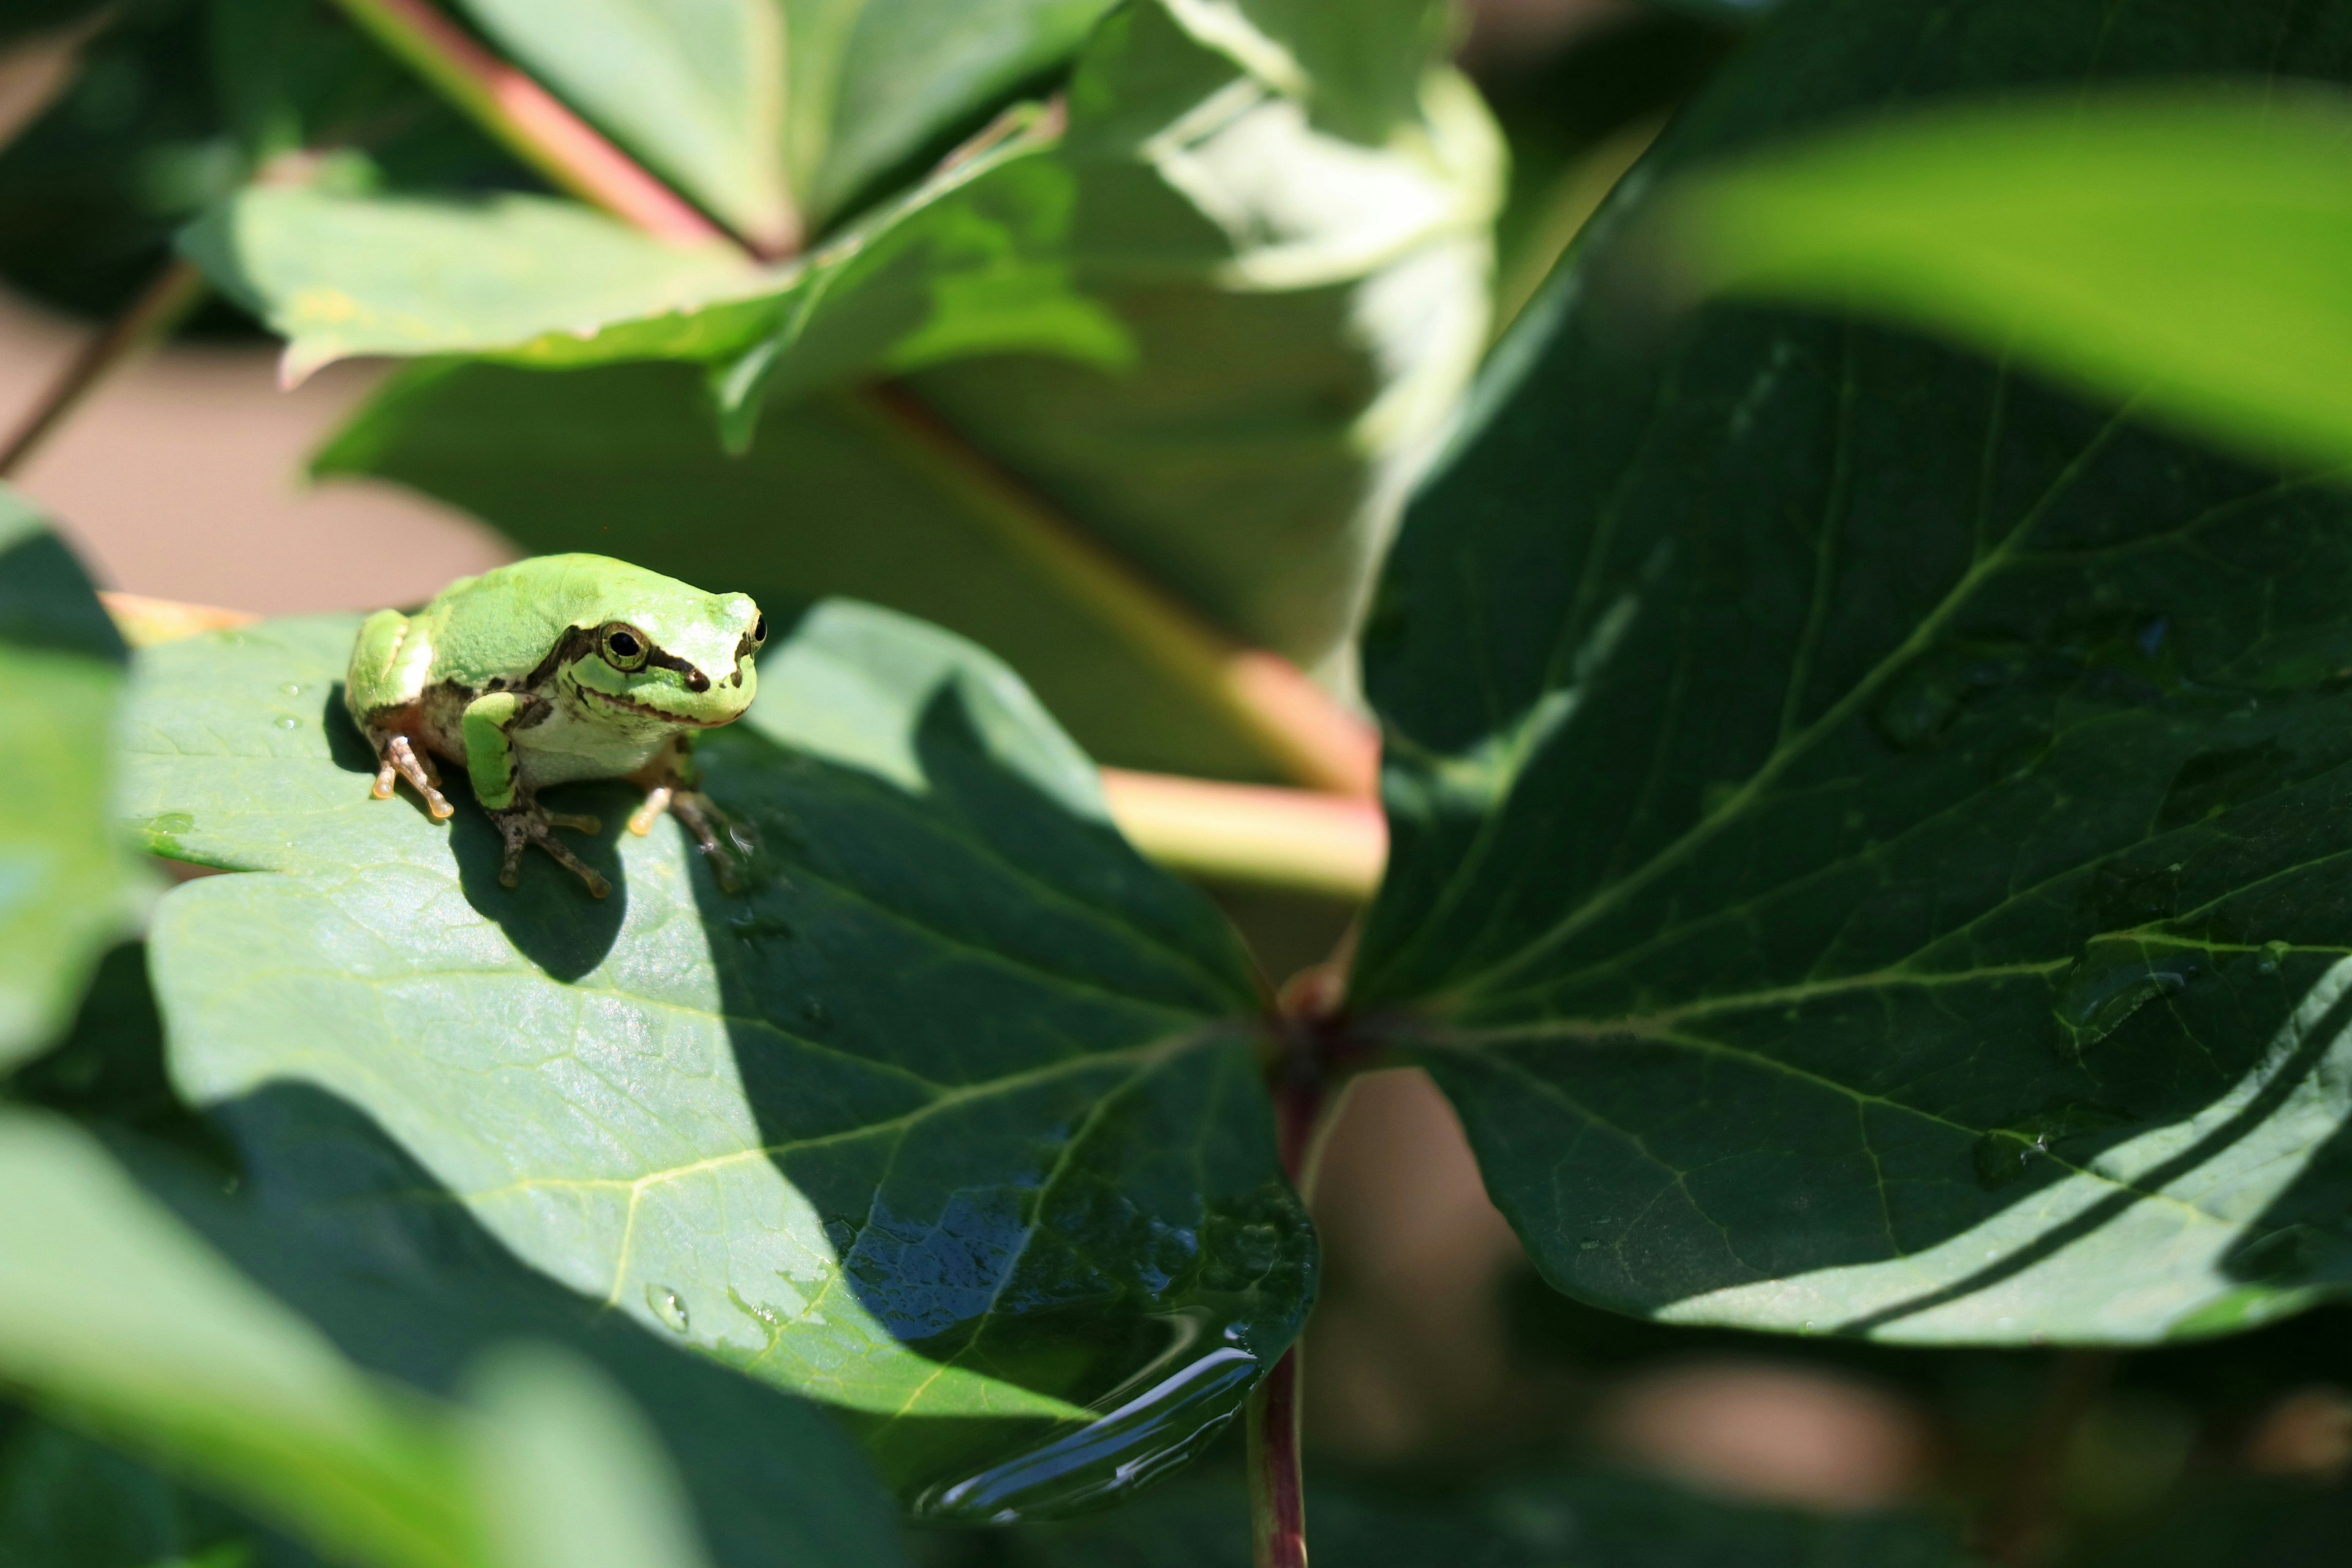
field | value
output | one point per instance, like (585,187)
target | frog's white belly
(568,745)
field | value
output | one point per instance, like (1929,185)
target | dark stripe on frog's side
(572,645)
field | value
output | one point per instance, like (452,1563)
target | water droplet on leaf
(2114,979)
(815,1012)
(668,1306)
(2271,955)
(288,721)
(1256,1248)
(292,688)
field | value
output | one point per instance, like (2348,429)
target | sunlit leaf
(1867,828)
(953,1118)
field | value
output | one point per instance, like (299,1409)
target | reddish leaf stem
(1309,1013)
(535,126)
(1277,1501)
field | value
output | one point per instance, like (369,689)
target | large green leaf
(1561,1520)
(952,1118)
(68,887)
(1296,311)
(1867,829)
(2184,250)
(760,107)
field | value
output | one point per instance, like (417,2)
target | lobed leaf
(952,1119)
(1867,829)
(68,886)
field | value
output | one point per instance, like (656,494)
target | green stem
(539,129)
(148,319)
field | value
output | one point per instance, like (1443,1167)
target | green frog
(553,670)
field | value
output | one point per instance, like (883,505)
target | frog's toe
(521,826)
(657,799)
(703,818)
(400,758)
(573,820)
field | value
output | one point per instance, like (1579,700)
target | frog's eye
(759,631)
(623,647)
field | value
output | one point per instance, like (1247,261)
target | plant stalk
(1307,1096)
(148,319)
(1297,725)
(1277,1499)
(536,127)
(1302,840)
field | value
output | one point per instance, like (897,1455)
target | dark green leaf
(1867,829)
(68,886)
(953,1118)
(66,1502)
(1559,1520)
(2182,249)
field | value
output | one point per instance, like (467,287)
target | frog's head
(680,655)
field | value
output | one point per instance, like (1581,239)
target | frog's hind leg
(400,760)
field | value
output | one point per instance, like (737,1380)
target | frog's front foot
(400,760)
(702,818)
(522,825)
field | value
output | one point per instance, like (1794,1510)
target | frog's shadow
(550,916)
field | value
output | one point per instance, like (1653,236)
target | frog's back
(504,623)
